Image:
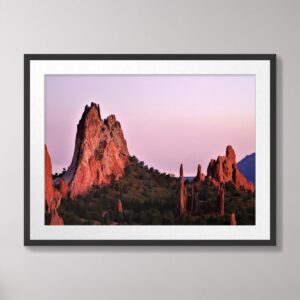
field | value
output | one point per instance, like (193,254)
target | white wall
(156,26)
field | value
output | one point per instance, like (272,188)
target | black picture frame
(31,57)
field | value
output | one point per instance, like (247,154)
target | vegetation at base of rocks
(151,198)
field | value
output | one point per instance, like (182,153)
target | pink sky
(166,120)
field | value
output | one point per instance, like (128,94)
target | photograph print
(149,152)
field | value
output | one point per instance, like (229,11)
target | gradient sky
(166,120)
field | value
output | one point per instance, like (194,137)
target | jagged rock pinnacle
(224,169)
(100,154)
(182,193)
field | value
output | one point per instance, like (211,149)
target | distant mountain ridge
(247,167)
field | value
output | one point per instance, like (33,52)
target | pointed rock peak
(94,109)
(199,177)
(232,219)
(199,171)
(182,193)
(110,121)
(100,153)
(95,106)
(52,195)
(230,153)
(48,180)
(119,206)
(225,169)
(181,171)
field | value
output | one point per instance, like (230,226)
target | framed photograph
(150,149)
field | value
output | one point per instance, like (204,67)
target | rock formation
(100,154)
(224,169)
(182,193)
(48,181)
(56,219)
(232,219)
(52,195)
(119,207)
(220,203)
(63,188)
(199,177)
(192,200)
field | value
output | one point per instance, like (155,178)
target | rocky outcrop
(199,177)
(63,188)
(56,219)
(52,195)
(193,199)
(224,169)
(119,207)
(100,154)
(182,193)
(48,181)
(220,203)
(232,219)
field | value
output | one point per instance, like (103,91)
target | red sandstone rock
(56,199)
(209,179)
(230,154)
(56,219)
(120,207)
(52,195)
(232,219)
(63,188)
(225,169)
(182,193)
(220,203)
(199,177)
(192,198)
(100,154)
(48,181)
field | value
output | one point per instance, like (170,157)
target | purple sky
(166,120)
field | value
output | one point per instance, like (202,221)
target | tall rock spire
(182,193)
(48,181)
(220,203)
(199,177)
(119,207)
(52,195)
(232,219)
(100,153)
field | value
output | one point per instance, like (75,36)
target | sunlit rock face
(232,219)
(100,154)
(52,195)
(48,181)
(63,188)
